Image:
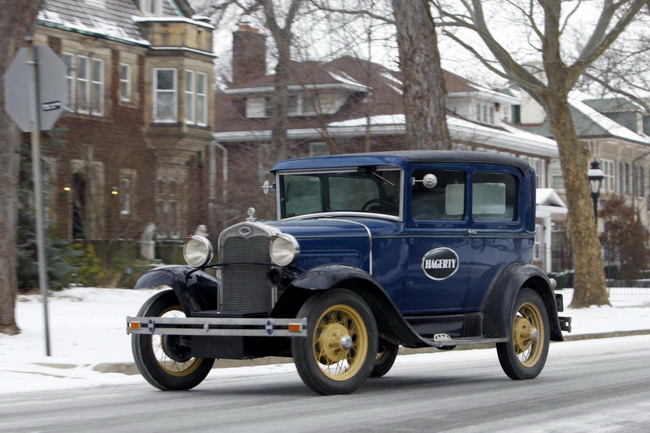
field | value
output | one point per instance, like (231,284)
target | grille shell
(244,283)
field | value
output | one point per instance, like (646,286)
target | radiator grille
(245,287)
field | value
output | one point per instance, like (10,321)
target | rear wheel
(338,353)
(524,356)
(385,358)
(165,361)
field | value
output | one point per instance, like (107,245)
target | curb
(130,369)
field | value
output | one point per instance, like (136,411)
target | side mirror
(267,186)
(429,181)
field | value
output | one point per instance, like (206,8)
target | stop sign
(52,88)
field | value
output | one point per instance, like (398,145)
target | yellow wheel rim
(528,334)
(340,342)
(164,360)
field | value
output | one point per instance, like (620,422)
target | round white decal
(440,263)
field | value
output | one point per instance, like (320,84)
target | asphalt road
(587,386)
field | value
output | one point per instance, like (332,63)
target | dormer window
(151,7)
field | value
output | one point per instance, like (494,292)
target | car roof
(399,159)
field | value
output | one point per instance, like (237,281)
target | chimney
(248,54)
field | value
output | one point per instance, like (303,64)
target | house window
(557,180)
(82,85)
(292,105)
(623,178)
(164,95)
(608,171)
(151,7)
(268,106)
(189,97)
(68,61)
(125,197)
(319,149)
(491,119)
(506,113)
(201,99)
(85,84)
(540,175)
(97,87)
(125,82)
(639,180)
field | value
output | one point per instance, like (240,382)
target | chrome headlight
(284,249)
(198,251)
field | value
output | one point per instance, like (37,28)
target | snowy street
(88,337)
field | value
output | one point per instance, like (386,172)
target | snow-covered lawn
(87,330)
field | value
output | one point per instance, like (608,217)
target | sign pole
(32,60)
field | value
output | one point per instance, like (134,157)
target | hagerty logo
(440,263)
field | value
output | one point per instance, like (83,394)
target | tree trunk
(423,84)
(589,278)
(16,22)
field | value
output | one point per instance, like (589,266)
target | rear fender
(499,301)
(196,290)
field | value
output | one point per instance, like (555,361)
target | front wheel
(524,356)
(339,351)
(165,361)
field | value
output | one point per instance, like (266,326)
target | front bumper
(208,326)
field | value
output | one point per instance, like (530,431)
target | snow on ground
(87,333)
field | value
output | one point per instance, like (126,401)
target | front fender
(392,326)
(499,302)
(196,291)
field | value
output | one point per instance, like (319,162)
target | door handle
(472,232)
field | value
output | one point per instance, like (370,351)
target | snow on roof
(346,79)
(548,197)
(508,137)
(93,25)
(612,127)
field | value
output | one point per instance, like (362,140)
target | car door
(464,227)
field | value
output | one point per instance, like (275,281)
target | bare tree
(17,21)
(546,23)
(423,83)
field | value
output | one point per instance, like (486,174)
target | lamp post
(596,176)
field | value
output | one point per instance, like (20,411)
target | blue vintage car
(368,252)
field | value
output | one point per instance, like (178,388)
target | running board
(444,340)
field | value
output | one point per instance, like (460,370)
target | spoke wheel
(165,361)
(338,354)
(385,358)
(524,356)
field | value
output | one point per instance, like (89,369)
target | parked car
(369,252)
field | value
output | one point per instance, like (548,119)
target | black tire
(164,360)
(386,354)
(338,354)
(524,356)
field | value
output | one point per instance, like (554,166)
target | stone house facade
(131,148)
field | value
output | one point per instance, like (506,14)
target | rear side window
(494,197)
(443,202)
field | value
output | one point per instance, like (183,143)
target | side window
(444,202)
(494,197)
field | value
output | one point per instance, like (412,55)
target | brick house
(345,105)
(130,150)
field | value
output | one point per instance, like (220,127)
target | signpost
(35,89)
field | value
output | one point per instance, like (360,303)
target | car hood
(345,227)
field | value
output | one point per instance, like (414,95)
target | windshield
(367,190)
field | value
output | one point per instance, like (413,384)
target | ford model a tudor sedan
(368,252)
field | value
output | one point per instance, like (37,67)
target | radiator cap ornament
(251,215)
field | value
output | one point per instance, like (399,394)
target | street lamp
(596,176)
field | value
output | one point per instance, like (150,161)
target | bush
(564,279)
